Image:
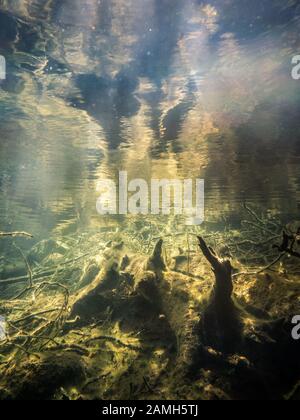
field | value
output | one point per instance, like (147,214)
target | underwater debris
(115,306)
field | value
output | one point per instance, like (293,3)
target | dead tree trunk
(220,326)
(169,297)
(222,270)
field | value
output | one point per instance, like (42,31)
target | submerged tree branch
(15,234)
(30,275)
(254,273)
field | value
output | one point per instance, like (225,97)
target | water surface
(160,88)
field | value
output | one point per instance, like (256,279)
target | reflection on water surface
(160,88)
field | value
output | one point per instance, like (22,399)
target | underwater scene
(149,200)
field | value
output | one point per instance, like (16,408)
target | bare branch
(15,234)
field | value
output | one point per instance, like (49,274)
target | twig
(28,289)
(258,219)
(27,335)
(248,222)
(25,318)
(75,348)
(253,273)
(94,380)
(40,275)
(188,252)
(29,353)
(113,340)
(250,242)
(15,280)
(27,264)
(15,234)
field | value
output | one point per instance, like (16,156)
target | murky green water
(159,88)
